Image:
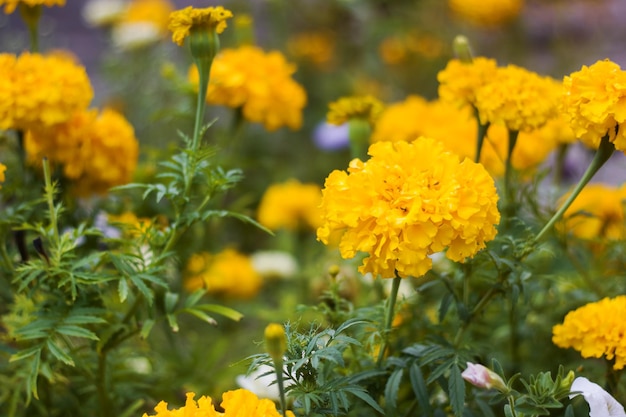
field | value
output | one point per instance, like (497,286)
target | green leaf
(456,388)
(75,331)
(391,391)
(146,328)
(122,289)
(194,297)
(171,299)
(485,410)
(419,387)
(23,354)
(59,353)
(34,373)
(363,395)
(201,315)
(171,319)
(221,310)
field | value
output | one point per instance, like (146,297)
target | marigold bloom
(259,83)
(2,169)
(486,13)
(595,103)
(595,330)
(97,151)
(11,5)
(518,98)
(228,273)
(143,22)
(291,205)
(366,108)
(597,212)
(38,91)
(181,21)
(409,200)
(459,81)
(314,47)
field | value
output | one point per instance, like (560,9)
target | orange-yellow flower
(366,108)
(182,21)
(229,274)
(11,5)
(143,22)
(2,169)
(596,330)
(595,103)
(291,205)
(38,91)
(486,13)
(259,83)
(460,81)
(407,201)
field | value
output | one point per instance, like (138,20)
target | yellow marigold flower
(596,330)
(315,47)
(2,169)
(259,83)
(11,5)
(594,102)
(181,21)
(291,205)
(518,98)
(460,81)
(486,13)
(133,225)
(228,273)
(38,91)
(143,22)
(97,151)
(409,200)
(597,212)
(366,108)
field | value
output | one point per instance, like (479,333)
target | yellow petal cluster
(11,5)
(486,13)
(407,201)
(236,403)
(182,21)
(259,83)
(596,330)
(229,274)
(291,205)
(366,108)
(459,81)
(96,150)
(595,103)
(597,212)
(316,47)
(2,169)
(520,99)
(38,91)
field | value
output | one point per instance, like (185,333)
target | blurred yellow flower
(520,99)
(11,5)
(182,21)
(408,201)
(229,274)
(486,13)
(132,225)
(259,83)
(315,47)
(97,151)
(594,102)
(142,23)
(459,81)
(38,91)
(596,330)
(597,212)
(2,169)
(366,108)
(291,205)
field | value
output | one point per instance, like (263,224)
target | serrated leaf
(485,410)
(34,373)
(25,353)
(391,391)
(419,387)
(76,331)
(201,315)
(363,395)
(146,328)
(122,289)
(143,288)
(59,353)
(456,388)
(221,310)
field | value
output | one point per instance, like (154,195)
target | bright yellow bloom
(315,47)
(38,91)
(11,5)
(595,103)
(132,225)
(291,205)
(409,200)
(597,212)
(460,81)
(486,13)
(156,12)
(275,340)
(366,108)
(259,83)
(518,98)
(182,21)
(2,169)
(596,330)
(97,151)
(228,273)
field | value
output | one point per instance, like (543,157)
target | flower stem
(204,68)
(391,302)
(508,171)
(49,191)
(480,136)
(278,368)
(604,152)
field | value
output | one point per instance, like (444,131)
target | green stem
(49,191)
(204,68)
(604,152)
(508,172)
(612,378)
(31,15)
(278,368)
(103,396)
(391,303)
(480,136)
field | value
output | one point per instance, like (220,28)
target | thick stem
(480,136)
(50,200)
(391,303)
(604,152)
(508,172)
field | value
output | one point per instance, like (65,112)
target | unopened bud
(462,49)
(483,377)
(275,342)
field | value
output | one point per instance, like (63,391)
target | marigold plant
(367,108)
(182,21)
(488,13)
(407,201)
(459,81)
(291,205)
(11,5)
(596,330)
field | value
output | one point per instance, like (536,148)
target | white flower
(274,264)
(103,12)
(134,35)
(601,403)
(262,386)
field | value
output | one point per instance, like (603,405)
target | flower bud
(275,342)
(483,377)
(462,49)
